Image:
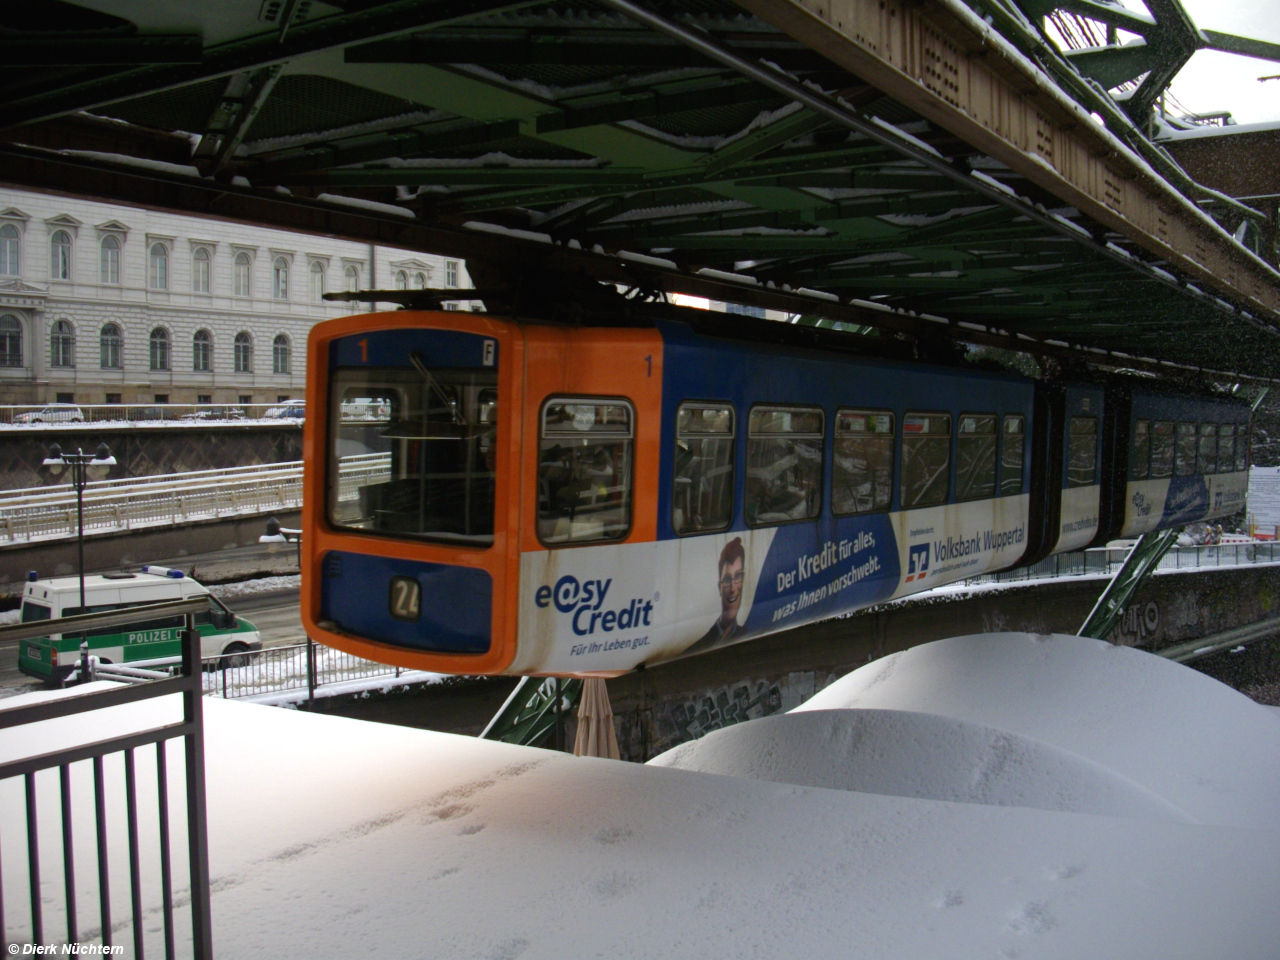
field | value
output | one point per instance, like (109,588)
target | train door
(1080,479)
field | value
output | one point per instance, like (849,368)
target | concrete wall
(146,451)
(113,551)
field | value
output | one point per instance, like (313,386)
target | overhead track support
(942,61)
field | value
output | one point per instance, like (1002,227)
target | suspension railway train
(490,496)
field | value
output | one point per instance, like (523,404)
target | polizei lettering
(584,602)
(953,548)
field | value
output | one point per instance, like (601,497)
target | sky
(1215,81)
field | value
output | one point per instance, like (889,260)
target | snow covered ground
(336,838)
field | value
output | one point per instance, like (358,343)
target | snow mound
(903,754)
(1087,726)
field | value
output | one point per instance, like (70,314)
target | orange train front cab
(422,451)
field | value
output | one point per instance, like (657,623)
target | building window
(246,398)
(280,354)
(159,349)
(109,347)
(280,279)
(317,280)
(10,341)
(419,281)
(115,398)
(402,280)
(353,278)
(243,287)
(9,244)
(159,267)
(202,352)
(162,398)
(200,271)
(110,260)
(62,344)
(64,397)
(451,273)
(244,352)
(60,256)
(204,398)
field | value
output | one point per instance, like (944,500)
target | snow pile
(249,588)
(331,837)
(1053,722)
(903,754)
(10,616)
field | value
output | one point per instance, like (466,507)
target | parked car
(53,413)
(147,413)
(290,409)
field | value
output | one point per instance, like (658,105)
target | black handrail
(191,729)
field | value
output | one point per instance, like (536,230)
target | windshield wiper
(416,359)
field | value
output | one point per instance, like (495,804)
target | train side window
(1082,452)
(1184,464)
(1242,448)
(976,457)
(862,471)
(1013,455)
(702,498)
(1140,451)
(1162,446)
(1226,448)
(926,459)
(584,470)
(1207,455)
(784,465)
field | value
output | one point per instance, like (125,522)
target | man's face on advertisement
(731,576)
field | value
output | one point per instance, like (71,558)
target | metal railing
(45,513)
(69,764)
(1107,560)
(123,414)
(275,670)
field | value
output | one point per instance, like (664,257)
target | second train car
(491,496)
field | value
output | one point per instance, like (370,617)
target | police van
(53,657)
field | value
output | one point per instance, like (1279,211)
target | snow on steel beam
(61,95)
(943,61)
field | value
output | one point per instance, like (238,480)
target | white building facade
(106,303)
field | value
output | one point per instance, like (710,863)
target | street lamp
(84,467)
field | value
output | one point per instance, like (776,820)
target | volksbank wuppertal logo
(918,562)
(584,601)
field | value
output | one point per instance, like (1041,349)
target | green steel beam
(1112,14)
(641,49)
(1141,562)
(495,176)
(59,95)
(1112,66)
(413,142)
(82,51)
(658,101)
(1244,46)
(530,714)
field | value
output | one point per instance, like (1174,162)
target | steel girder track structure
(927,169)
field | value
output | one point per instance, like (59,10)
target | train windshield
(412,452)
